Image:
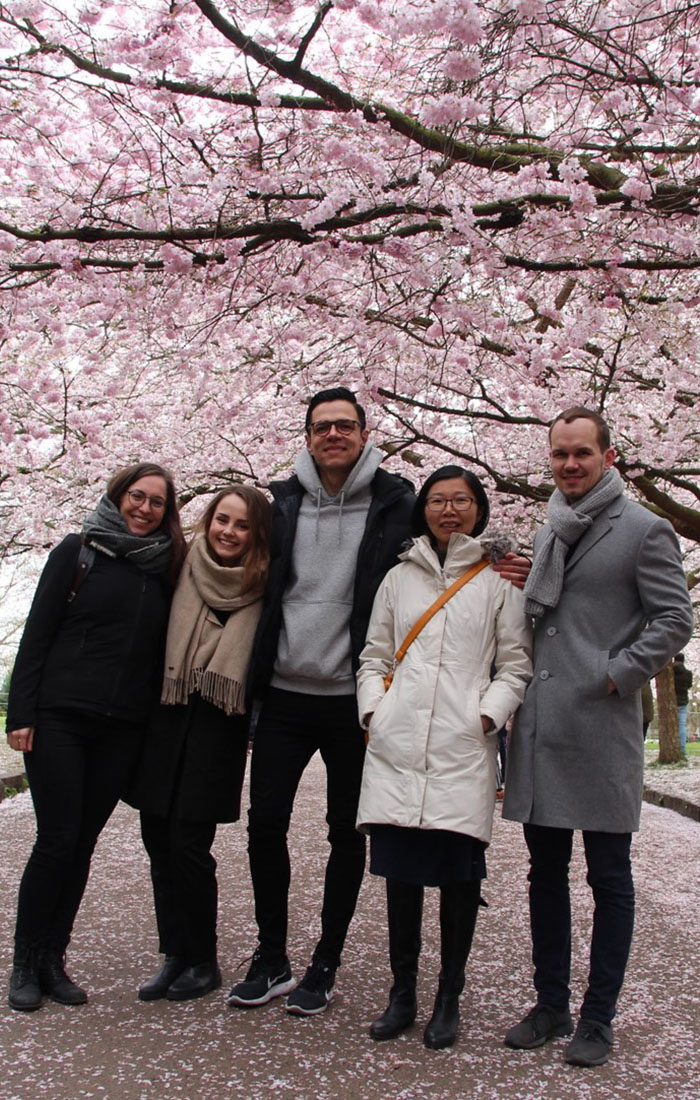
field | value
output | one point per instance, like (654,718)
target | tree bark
(667,714)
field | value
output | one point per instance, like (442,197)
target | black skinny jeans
(77,770)
(610,878)
(290,729)
(185,892)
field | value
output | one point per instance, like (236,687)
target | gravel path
(117,1048)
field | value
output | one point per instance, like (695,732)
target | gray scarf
(106,530)
(567,523)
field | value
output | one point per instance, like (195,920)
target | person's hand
(21,740)
(611,686)
(487,724)
(513,568)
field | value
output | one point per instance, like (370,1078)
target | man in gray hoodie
(339,523)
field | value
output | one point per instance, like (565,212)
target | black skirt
(425,857)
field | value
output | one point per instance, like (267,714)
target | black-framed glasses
(459,503)
(138,497)
(343,427)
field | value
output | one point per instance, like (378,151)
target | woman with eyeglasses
(191,773)
(430,774)
(83,687)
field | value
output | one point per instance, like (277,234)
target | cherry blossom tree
(473,213)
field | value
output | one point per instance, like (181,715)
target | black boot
(54,981)
(195,981)
(404,903)
(459,905)
(25,992)
(157,986)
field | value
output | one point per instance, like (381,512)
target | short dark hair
(124,478)
(257,560)
(419,525)
(580,412)
(337,393)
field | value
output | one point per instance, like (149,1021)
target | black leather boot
(195,981)
(459,905)
(25,992)
(404,903)
(156,987)
(54,981)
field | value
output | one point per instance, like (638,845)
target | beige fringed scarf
(201,654)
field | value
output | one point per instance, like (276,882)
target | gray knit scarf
(567,523)
(106,530)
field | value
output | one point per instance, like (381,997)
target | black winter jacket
(102,653)
(387,528)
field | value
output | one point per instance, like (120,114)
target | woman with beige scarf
(192,769)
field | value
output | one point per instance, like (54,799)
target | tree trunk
(667,717)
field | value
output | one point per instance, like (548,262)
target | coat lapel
(600,527)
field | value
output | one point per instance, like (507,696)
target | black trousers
(77,771)
(610,878)
(291,728)
(183,873)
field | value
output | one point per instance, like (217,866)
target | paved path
(116,1048)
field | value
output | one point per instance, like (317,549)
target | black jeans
(610,878)
(290,729)
(183,873)
(77,771)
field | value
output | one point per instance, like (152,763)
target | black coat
(100,654)
(387,528)
(193,763)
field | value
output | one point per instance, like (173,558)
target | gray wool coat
(576,754)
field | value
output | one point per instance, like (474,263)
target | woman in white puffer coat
(429,781)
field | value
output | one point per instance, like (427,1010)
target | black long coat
(192,764)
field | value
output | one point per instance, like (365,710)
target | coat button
(544,675)
(551,630)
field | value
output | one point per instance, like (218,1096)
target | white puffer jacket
(429,764)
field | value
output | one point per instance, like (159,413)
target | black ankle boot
(195,981)
(157,986)
(25,991)
(54,981)
(404,902)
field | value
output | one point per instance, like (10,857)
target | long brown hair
(125,478)
(257,558)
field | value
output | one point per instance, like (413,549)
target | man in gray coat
(611,607)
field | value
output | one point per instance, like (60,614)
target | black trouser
(290,729)
(610,878)
(77,770)
(183,872)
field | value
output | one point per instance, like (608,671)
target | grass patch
(10,791)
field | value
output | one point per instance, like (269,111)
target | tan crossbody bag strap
(427,616)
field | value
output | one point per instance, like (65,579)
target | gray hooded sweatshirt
(313,653)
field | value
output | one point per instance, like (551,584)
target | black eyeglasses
(343,427)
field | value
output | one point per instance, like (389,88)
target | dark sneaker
(262,983)
(314,992)
(540,1024)
(591,1044)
